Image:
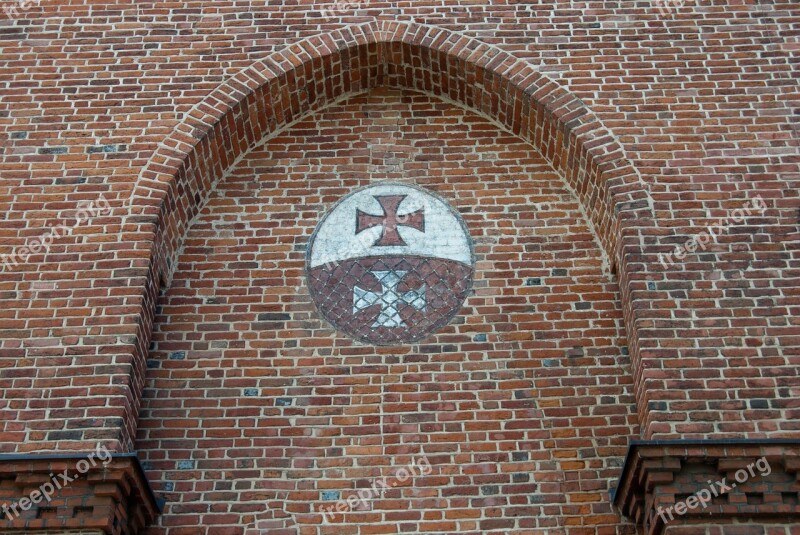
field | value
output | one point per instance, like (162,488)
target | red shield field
(362,297)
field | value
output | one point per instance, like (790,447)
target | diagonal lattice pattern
(390,300)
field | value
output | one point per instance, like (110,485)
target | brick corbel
(659,474)
(111,497)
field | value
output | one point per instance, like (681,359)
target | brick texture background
(523,405)
(660,122)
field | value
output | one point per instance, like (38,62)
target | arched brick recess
(305,398)
(316,71)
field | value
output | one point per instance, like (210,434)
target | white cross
(389,299)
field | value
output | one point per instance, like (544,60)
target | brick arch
(314,72)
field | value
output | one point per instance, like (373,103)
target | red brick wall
(662,120)
(523,404)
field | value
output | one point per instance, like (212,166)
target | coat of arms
(390,264)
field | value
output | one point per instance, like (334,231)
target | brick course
(660,121)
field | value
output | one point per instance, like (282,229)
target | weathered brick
(219,133)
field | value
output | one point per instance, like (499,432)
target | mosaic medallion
(390,264)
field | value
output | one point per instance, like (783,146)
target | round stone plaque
(390,264)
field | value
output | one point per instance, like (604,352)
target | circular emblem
(390,263)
